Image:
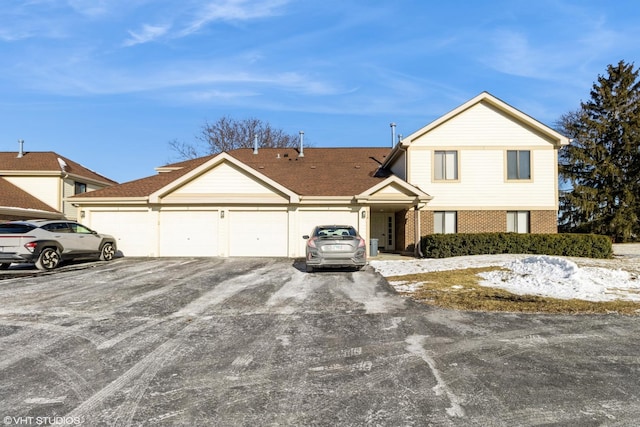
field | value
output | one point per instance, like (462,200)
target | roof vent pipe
(301,144)
(255,144)
(393,134)
(21,152)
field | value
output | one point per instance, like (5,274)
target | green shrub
(575,245)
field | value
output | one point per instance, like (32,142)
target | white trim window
(518,164)
(518,221)
(445,165)
(445,222)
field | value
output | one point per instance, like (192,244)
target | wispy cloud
(232,10)
(91,8)
(147,34)
(192,18)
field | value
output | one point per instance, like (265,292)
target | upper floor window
(518,221)
(446,165)
(80,188)
(518,164)
(445,222)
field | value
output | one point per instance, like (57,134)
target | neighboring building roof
(321,172)
(12,197)
(46,161)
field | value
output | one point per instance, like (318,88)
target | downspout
(416,226)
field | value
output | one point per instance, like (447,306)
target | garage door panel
(258,233)
(132,230)
(189,233)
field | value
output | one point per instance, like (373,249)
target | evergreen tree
(601,166)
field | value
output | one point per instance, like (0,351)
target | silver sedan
(335,246)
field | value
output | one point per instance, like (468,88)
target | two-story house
(483,167)
(38,184)
(489,168)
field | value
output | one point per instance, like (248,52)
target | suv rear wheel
(48,260)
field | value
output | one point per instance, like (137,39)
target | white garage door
(309,219)
(132,230)
(189,233)
(260,234)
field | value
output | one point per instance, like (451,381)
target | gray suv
(48,242)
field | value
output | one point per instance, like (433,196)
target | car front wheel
(48,260)
(108,252)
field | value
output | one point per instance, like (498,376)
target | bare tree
(229,134)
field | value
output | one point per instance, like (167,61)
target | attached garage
(245,203)
(189,233)
(258,233)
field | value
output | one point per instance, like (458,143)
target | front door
(382,228)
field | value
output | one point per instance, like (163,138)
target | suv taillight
(31,246)
(312,242)
(361,244)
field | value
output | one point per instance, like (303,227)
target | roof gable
(394,189)
(222,175)
(556,138)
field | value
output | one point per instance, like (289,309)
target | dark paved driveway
(233,342)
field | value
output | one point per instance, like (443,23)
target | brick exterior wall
(487,221)
(544,222)
(481,221)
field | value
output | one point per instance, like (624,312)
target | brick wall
(482,221)
(544,222)
(487,221)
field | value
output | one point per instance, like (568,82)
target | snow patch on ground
(555,277)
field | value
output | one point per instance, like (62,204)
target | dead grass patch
(459,289)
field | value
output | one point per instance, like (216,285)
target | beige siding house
(38,185)
(483,167)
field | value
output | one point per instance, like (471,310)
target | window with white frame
(518,164)
(518,221)
(445,222)
(446,165)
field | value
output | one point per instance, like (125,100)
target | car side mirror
(305,237)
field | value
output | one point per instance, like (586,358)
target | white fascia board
(8,210)
(220,158)
(328,200)
(87,201)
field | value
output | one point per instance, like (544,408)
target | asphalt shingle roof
(46,161)
(321,172)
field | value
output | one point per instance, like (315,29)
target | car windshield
(336,231)
(15,228)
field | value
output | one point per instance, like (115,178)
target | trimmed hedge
(575,245)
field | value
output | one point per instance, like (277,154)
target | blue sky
(108,83)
